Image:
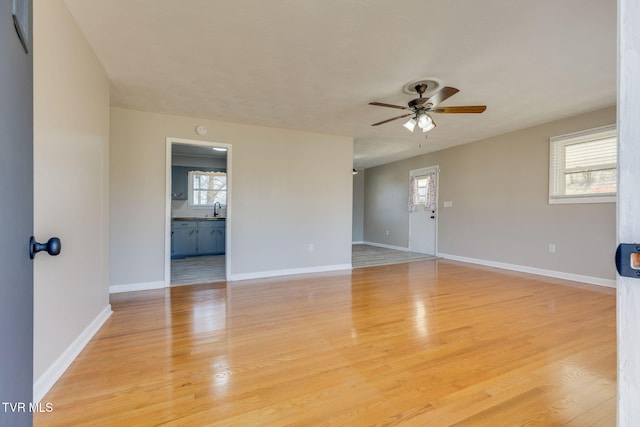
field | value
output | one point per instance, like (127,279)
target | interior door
(423,219)
(16,214)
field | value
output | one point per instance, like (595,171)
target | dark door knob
(53,247)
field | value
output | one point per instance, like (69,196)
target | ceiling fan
(422,107)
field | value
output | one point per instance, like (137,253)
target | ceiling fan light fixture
(431,125)
(424,121)
(410,125)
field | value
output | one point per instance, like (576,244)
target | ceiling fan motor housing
(418,103)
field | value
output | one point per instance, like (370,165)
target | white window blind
(583,166)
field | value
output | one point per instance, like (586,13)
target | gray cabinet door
(220,240)
(211,237)
(207,231)
(185,239)
(179,182)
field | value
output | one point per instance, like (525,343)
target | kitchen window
(583,166)
(207,188)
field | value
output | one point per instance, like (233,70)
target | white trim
(360,242)
(131,287)
(167,217)
(229,209)
(289,272)
(582,199)
(586,134)
(610,283)
(43,384)
(382,245)
(556,158)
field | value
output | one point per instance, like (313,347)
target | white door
(423,216)
(628,288)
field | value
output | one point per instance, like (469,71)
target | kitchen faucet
(216,206)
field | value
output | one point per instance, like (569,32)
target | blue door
(16,213)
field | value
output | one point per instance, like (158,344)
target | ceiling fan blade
(382,104)
(465,109)
(442,95)
(390,120)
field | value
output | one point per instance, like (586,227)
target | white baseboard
(382,245)
(115,289)
(43,384)
(288,272)
(533,270)
(359,242)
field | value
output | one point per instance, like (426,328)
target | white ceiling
(314,65)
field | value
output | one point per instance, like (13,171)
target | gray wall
(357,225)
(500,213)
(288,189)
(71,190)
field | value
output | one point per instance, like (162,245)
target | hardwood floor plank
(425,343)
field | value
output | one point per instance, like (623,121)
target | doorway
(198,183)
(423,218)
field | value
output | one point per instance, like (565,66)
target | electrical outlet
(310,247)
(386,232)
(552,248)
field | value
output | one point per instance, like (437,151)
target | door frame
(167,215)
(424,171)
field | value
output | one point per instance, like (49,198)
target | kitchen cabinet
(194,238)
(184,239)
(179,182)
(207,237)
(211,237)
(221,239)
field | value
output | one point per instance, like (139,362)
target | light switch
(448,204)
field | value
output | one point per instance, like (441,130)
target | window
(583,166)
(421,190)
(207,188)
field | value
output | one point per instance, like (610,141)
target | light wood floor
(430,343)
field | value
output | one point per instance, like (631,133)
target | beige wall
(500,213)
(71,136)
(288,189)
